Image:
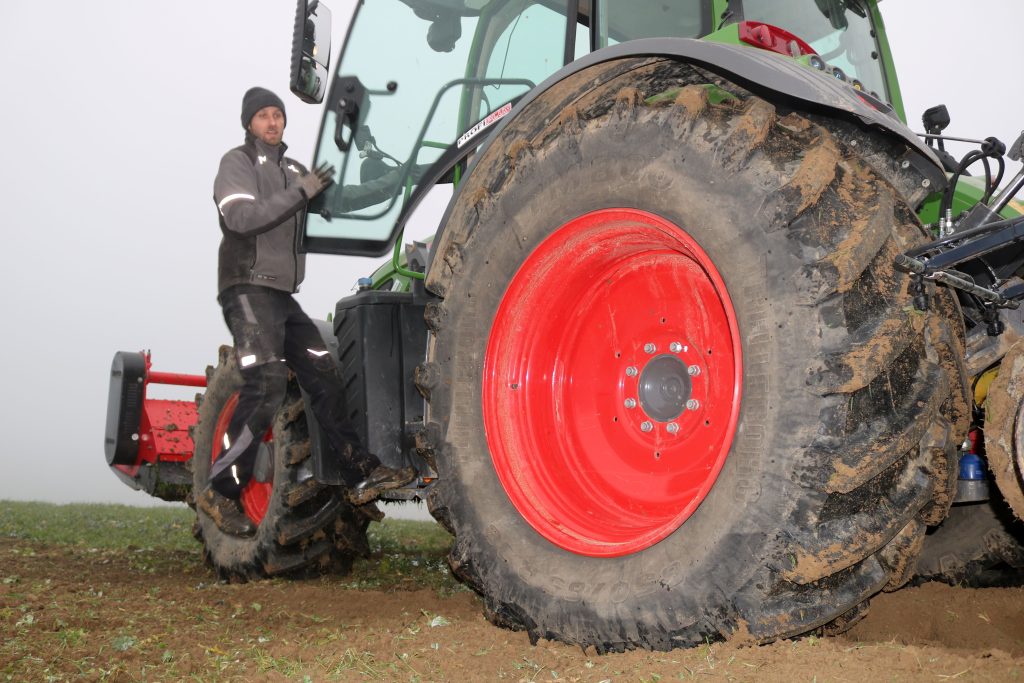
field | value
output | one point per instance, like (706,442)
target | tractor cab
(420,82)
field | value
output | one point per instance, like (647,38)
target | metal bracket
(972,244)
(351,94)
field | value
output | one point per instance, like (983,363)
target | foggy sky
(115,115)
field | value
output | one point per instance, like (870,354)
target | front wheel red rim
(612,382)
(255,498)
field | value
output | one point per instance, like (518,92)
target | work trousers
(271,334)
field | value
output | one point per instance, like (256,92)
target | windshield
(429,74)
(840,31)
(432,69)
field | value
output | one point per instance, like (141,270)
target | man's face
(268,125)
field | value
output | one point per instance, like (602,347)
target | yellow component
(1017,206)
(982,384)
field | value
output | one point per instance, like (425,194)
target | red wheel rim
(612,379)
(255,496)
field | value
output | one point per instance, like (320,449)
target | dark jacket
(260,207)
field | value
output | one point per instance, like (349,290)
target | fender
(771,76)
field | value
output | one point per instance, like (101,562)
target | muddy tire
(304,527)
(978,545)
(630,224)
(1004,428)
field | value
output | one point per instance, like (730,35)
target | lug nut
(693,370)
(672,428)
(630,403)
(692,404)
(646,426)
(650,348)
(675,347)
(631,371)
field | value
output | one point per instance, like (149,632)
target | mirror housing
(311,51)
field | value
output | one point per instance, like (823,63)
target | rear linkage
(979,232)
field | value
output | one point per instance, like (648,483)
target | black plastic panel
(124,407)
(381,339)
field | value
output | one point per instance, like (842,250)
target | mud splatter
(693,100)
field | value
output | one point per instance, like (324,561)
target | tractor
(708,342)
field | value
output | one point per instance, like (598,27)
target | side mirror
(311,51)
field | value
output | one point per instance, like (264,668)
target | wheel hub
(664,388)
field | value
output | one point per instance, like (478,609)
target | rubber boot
(227,514)
(381,479)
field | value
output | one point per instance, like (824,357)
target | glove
(315,182)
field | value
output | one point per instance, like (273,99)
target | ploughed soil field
(116,593)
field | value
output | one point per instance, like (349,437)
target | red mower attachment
(147,440)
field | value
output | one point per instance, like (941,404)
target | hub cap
(611,385)
(664,388)
(255,496)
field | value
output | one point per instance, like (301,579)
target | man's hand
(315,182)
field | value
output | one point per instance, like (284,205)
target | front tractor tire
(1004,428)
(678,390)
(303,527)
(978,545)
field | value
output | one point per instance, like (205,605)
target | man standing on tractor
(260,195)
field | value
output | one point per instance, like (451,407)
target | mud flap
(380,337)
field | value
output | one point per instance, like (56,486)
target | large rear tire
(637,204)
(303,526)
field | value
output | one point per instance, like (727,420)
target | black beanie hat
(257,98)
